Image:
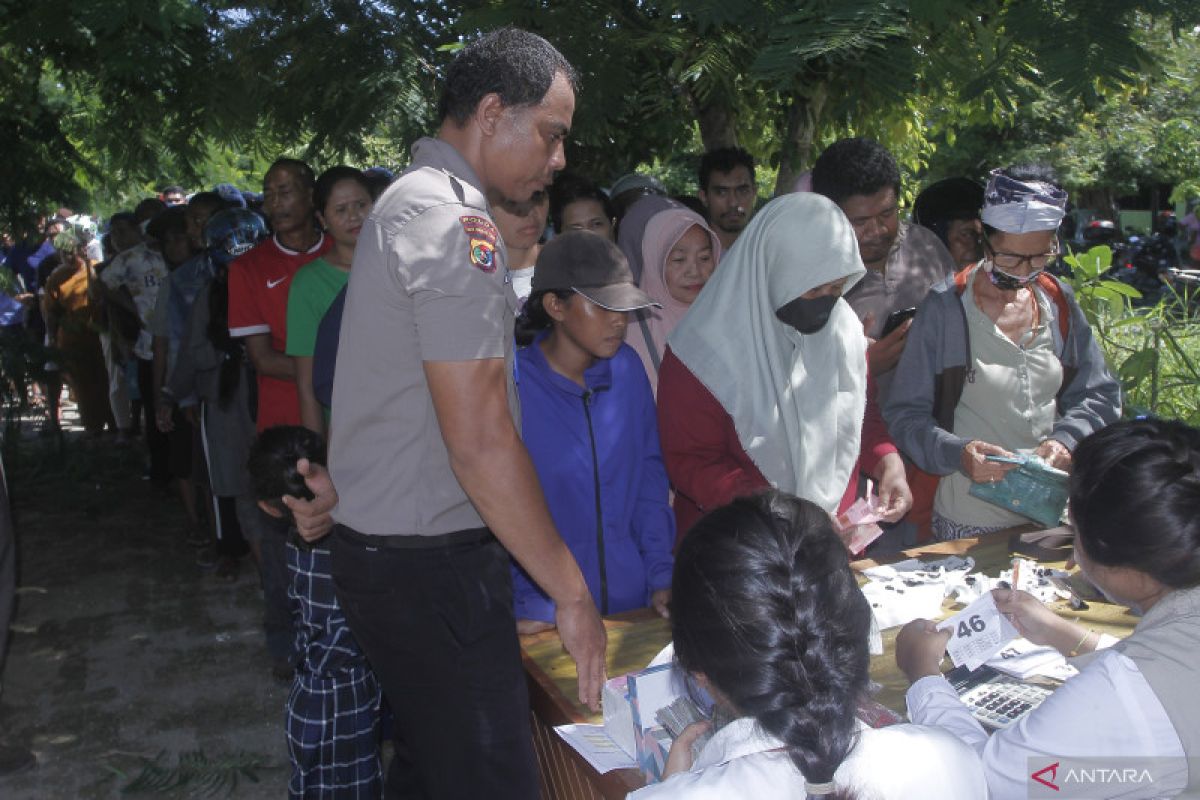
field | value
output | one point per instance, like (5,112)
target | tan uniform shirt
(428,283)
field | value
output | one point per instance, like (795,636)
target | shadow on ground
(123,649)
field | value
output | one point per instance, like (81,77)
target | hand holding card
(977,633)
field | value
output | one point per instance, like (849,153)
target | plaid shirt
(333,710)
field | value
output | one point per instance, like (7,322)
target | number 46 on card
(979,632)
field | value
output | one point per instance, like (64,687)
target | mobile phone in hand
(896,319)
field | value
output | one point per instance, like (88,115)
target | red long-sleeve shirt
(706,462)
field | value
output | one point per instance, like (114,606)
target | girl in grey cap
(588,421)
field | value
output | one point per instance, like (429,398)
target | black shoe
(15,759)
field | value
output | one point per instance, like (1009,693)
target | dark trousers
(8,567)
(230,542)
(271,535)
(437,626)
(157,443)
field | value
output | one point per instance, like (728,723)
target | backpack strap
(948,385)
(960,279)
(654,358)
(1054,291)
(949,389)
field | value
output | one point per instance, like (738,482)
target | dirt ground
(124,651)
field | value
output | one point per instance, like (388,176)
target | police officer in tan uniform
(436,489)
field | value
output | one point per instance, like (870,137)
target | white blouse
(1107,710)
(894,763)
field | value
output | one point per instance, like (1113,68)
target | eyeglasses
(1011,261)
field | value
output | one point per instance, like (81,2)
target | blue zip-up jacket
(600,441)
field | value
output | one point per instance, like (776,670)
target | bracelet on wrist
(1077,649)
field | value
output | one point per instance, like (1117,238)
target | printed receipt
(977,633)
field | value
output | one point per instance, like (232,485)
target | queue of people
(661,406)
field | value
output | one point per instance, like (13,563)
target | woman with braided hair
(768,618)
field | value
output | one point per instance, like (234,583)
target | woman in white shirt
(768,618)
(1133,709)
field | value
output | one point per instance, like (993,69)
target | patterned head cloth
(1015,206)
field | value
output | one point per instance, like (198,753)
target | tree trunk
(717,121)
(803,118)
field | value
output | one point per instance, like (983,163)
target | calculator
(995,699)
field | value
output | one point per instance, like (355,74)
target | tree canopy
(103,101)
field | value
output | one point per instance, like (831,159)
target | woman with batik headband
(999,360)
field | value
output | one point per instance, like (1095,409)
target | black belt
(452,539)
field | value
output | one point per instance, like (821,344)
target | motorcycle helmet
(1100,231)
(231,232)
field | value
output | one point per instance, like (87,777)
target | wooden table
(636,637)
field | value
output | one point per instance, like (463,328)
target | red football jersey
(258,294)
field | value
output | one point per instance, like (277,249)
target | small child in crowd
(333,709)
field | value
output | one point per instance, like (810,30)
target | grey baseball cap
(633,181)
(592,266)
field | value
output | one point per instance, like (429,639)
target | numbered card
(977,633)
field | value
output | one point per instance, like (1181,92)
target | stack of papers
(912,589)
(1023,659)
(596,747)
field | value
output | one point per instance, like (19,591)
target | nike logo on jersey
(276,282)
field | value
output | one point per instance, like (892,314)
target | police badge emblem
(483,236)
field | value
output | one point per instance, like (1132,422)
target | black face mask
(807,316)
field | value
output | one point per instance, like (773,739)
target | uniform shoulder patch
(483,236)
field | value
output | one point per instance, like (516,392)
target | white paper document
(894,603)
(596,747)
(1023,659)
(977,633)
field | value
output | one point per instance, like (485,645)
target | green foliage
(194,774)
(1098,296)
(102,104)
(1154,352)
(1139,132)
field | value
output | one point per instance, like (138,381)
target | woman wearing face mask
(999,359)
(764,382)
(1135,504)
(342,197)
(680,252)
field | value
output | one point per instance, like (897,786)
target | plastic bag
(1034,490)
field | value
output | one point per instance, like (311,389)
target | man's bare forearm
(267,360)
(494,469)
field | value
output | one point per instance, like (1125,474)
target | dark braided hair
(1135,499)
(764,604)
(533,316)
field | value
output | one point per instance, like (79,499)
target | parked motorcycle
(1143,262)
